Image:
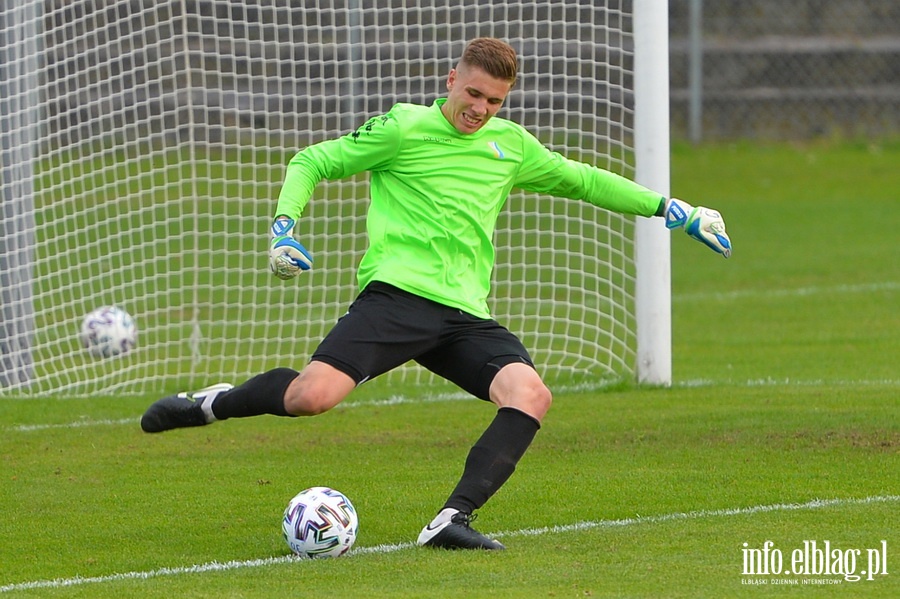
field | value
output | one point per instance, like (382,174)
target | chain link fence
(770,69)
(759,69)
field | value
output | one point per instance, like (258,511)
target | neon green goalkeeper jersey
(436,194)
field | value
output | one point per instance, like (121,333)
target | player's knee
(534,399)
(306,407)
(316,390)
(546,397)
(540,399)
(308,402)
(524,390)
(310,395)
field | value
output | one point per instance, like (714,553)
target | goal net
(144,144)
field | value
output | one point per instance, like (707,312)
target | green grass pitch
(782,426)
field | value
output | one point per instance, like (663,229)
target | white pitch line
(393,548)
(770,382)
(26,428)
(396,400)
(699,514)
(390,401)
(393,400)
(796,292)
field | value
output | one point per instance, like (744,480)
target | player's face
(473,98)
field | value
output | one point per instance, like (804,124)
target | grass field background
(782,426)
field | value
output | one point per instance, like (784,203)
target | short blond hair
(494,57)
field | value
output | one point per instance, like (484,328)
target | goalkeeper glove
(286,256)
(703,224)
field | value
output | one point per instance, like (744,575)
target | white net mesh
(145,143)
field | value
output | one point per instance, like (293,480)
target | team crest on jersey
(496,148)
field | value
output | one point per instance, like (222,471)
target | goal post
(19,104)
(653,294)
(160,132)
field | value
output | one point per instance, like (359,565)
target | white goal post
(144,143)
(653,289)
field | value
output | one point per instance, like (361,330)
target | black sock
(263,394)
(493,459)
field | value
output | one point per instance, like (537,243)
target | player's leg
(273,392)
(522,401)
(285,392)
(381,330)
(492,364)
(492,459)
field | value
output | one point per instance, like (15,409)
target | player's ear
(451,78)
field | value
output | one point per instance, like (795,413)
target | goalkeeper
(439,176)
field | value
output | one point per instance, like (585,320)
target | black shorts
(386,327)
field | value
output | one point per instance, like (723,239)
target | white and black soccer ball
(108,332)
(320,522)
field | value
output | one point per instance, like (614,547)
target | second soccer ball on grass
(107,332)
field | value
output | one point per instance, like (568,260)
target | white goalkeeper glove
(703,224)
(287,258)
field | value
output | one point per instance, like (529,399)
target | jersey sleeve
(371,147)
(551,173)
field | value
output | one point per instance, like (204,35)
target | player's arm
(552,173)
(370,147)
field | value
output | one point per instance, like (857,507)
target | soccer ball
(108,332)
(320,522)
